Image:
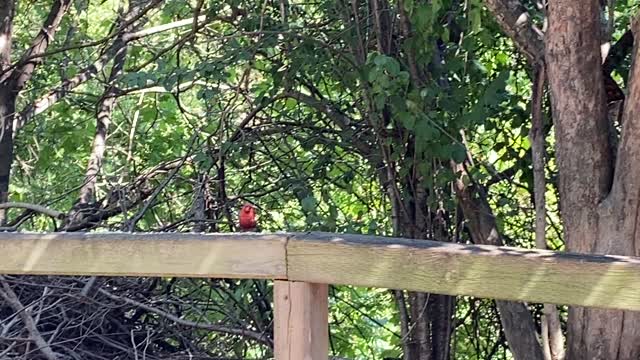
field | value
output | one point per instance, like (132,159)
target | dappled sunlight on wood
(38,252)
(421,265)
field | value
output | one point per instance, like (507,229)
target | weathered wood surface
(152,254)
(421,265)
(483,271)
(301,321)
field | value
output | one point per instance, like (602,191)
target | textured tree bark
(515,21)
(599,211)
(104,116)
(12,81)
(512,315)
(7,104)
(7,108)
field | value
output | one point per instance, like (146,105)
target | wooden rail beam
(483,271)
(144,254)
(420,265)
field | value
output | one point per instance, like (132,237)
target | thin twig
(259,337)
(552,342)
(12,299)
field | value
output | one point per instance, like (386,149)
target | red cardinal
(248,218)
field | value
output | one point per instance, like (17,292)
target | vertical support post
(301,323)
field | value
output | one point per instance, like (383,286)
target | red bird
(248,218)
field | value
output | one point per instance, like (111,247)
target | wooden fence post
(301,324)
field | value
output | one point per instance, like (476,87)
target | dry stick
(12,299)
(261,338)
(552,342)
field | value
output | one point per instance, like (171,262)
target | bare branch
(53,96)
(552,340)
(12,299)
(33,207)
(259,337)
(36,57)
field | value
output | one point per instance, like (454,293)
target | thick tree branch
(599,207)
(583,150)
(53,96)
(618,52)
(12,82)
(33,207)
(39,56)
(103,120)
(625,193)
(516,22)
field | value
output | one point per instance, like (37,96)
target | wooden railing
(304,263)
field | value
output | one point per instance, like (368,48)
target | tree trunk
(599,210)
(13,81)
(7,109)
(7,104)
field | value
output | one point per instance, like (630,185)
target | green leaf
(379,101)
(407,120)
(458,153)
(393,66)
(424,133)
(436,5)
(380,60)
(391,353)
(475,15)
(309,204)
(408,6)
